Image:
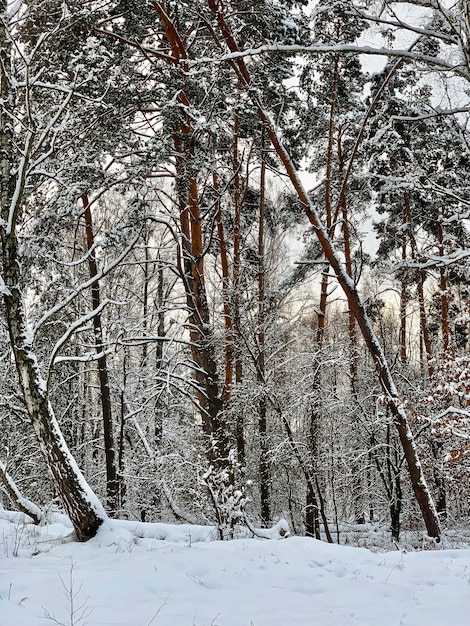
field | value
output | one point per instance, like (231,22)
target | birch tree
(26,138)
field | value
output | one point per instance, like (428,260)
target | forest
(235,263)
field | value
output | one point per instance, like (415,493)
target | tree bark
(261,360)
(80,503)
(112,480)
(206,371)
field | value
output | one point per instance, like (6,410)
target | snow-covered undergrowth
(127,577)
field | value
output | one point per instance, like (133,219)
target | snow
(121,579)
(14,8)
(4,290)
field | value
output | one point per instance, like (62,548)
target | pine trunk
(206,371)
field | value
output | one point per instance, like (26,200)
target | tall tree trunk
(112,480)
(312,511)
(353,354)
(237,208)
(261,360)
(206,371)
(342,208)
(159,410)
(418,481)
(443,288)
(200,329)
(420,277)
(228,317)
(79,501)
(440,490)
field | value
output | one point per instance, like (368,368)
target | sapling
(77,614)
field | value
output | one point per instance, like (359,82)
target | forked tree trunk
(422,494)
(79,501)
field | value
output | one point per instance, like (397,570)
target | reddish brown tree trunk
(203,354)
(228,319)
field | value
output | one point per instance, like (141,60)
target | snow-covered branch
(458,68)
(77,326)
(86,285)
(21,176)
(23,504)
(399,24)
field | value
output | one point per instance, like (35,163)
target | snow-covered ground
(120,579)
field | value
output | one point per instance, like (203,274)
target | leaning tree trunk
(418,481)
(79,501)
(22,504)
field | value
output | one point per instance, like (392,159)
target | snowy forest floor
(126,577)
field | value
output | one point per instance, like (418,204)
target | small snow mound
(280,530)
